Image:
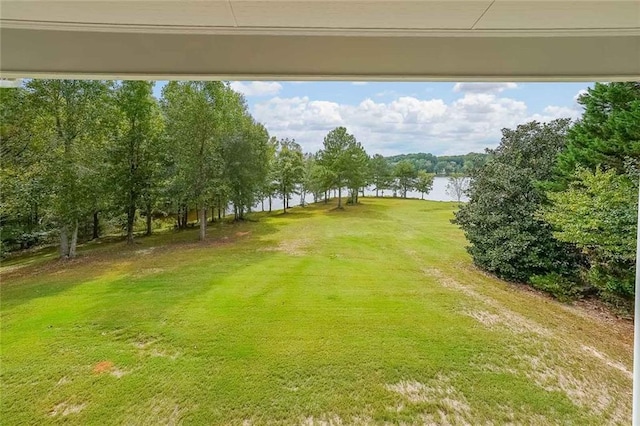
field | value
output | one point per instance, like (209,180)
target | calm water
(438,193)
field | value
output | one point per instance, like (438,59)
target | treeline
(79,153)
(556,204)
(444,165)
(79,157)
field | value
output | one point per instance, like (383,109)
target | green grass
(370,314)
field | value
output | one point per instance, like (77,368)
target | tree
(381,173)
(457,186)
(606,135)
(306,183)
(405,174)
(358,171)
(424,183)
(598,213)
(593,189)
(72,120)
(134,153)
(24,188)
(246,163)
(336,157)
(289,168)
(500,220)
(268,188)
(193,112)
(321,180)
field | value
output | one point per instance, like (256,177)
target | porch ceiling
(318,39)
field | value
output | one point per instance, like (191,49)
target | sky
(403,117)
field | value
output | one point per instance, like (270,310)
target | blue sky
(393,118)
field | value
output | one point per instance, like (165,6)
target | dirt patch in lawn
(103,367)
(291,247)
(64,409)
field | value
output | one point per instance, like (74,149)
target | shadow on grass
(50,277)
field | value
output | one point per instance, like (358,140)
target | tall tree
(381,173)
(405,174)
(336,156)
(246,162)
(424,183)
(357,175)
(24,188)
(306,183)
(607,134)
(500,220)
(72,119)
(457,185)
(134,152)
(594,187)
(289,169)
(598,213)
(193,112)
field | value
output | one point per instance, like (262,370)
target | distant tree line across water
(442,165)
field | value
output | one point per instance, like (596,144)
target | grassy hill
(368,315)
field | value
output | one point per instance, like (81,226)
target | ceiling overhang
(317,39)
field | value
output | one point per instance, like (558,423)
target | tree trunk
(96,226)
(148,219)
(64,242)
(422,195)
(269,203)
(203,223)
(376,192)
(131,214)
(339,197)
(262,202)
(74,242)
(213,214)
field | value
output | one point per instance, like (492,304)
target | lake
(438,193)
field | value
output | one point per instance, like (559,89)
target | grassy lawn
(368,315)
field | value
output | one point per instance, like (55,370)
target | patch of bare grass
(544,357)
(64,409)
(608,361)
(451,405)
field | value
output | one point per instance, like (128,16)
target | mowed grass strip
(372,314)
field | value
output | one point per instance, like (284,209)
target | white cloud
(483,87)
(580,93)
(405,124)
(358,83)
(256,88)
(552,112)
